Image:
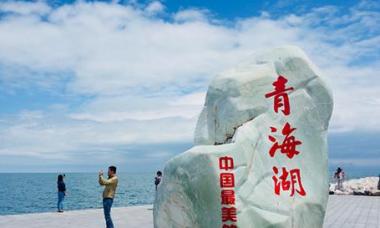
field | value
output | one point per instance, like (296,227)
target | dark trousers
(107,204)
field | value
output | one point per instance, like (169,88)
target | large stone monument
(260,154)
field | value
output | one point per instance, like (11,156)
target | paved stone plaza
(353,211)
(342,212)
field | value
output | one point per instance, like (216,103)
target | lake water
(36,192)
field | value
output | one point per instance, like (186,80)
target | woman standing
(61,192)
(339,177)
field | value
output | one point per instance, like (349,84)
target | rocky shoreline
(363,186)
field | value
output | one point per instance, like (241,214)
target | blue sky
(82,80)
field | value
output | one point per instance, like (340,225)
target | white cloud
(120,108)
(155,7)
(191,15)
(148,75)
(25,8)
(50,135)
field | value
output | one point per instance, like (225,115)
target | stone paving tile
(342,212)
(353,211)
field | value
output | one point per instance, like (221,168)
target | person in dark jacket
(157,179)
(61,192)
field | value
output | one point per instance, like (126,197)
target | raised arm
(103,181)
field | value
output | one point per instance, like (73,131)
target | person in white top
(339,177)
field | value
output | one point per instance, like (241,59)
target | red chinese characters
(226,163)
(229,226)
(229,214)
(287,180)
(227,194)
(281,99)
(227,180)
(228,197)
(288,145)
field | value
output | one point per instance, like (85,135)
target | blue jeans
(61,197)
(107,204)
